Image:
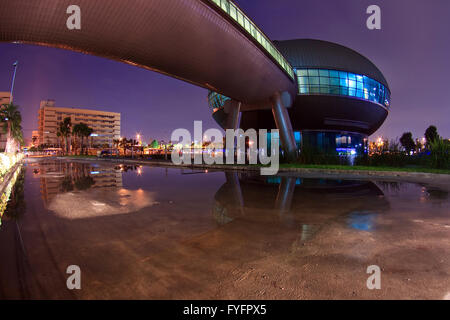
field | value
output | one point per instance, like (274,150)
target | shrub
(439,154)
(391,159)
(314,155)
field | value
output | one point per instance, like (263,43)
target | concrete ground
(172,245)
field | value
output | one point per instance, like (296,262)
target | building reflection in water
(84,190)
(12,202)
(61,176)
(295,201)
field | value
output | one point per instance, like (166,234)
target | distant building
(106,125)
(5,98)
(35,138)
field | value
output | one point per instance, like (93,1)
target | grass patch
(364,168)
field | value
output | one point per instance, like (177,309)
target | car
(107,153)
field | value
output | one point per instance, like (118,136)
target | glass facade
(234,12)
(341,143)
(334,82)
(216,100)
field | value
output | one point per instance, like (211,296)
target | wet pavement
(167,233)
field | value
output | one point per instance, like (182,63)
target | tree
(407,142)
(133,143)
(65,130)
(431,135)
(154,144)
(82,130)
(58,134)
(12,126)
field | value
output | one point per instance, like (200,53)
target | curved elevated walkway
(209,43)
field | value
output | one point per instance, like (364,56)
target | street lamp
(13,80)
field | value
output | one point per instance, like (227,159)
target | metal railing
(237,15)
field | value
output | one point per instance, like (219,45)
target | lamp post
(13,80)
(138,138)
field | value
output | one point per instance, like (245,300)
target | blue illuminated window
(216,101)
(334,82)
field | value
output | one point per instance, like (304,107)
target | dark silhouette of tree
(407,142)
(84,182)
(83,131)
(66,184)
(64,130)
(431,135)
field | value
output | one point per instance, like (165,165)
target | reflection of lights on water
(100,202)
(423,195)
(362,220)
(96,203)
(307,231)
(7,193)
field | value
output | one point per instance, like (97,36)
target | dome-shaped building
(342,97)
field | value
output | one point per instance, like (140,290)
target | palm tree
(64,130)
(123,143)
(82,130)
(58,134)
(116,143)
(76,132)
(12,126)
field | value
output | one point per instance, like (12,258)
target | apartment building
(5,97)
(106,125)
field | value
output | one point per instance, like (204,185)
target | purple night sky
(412,50)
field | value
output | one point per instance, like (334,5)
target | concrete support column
(233,110)
(285,194)
(279,109)
(236,193)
